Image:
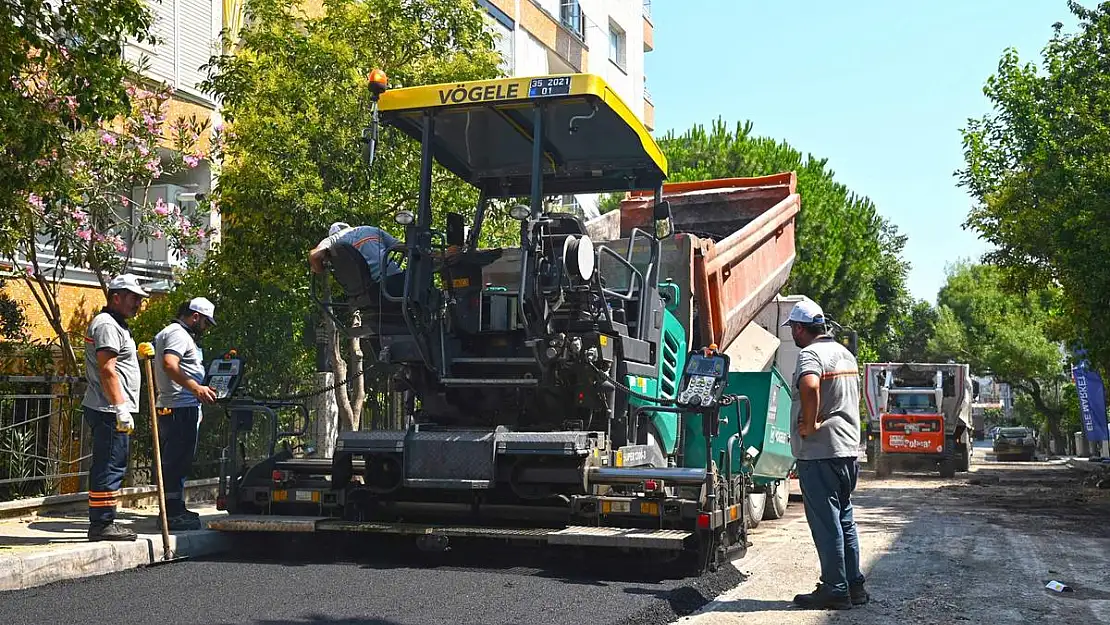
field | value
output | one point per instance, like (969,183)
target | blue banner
(1092,401)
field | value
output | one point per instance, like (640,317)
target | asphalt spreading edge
(686,599)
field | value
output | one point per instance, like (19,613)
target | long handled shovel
(167,554)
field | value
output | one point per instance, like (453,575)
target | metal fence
(44,450)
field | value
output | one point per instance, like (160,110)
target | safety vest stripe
(105,503)
(373,237)
(839,374)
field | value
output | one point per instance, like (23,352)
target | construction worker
(825,441)
(110,403)
(373,243)
(180,376)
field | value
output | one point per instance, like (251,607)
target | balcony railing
(647,9)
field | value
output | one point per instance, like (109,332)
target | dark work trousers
(109,464)
(177,433)
(827,487)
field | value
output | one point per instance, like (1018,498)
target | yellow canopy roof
(483,133)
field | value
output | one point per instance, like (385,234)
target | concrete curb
(131,497)
(81,560)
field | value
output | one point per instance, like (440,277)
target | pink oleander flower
(36,203)
(125,201)
(81,216)
(160,208)
(108,139)
(154,166)
(120,246)
(143,150)
(84,234)
(71,104)
(30,271)
(201,233)
(191,161)
(157,234)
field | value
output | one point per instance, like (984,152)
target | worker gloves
(124,421)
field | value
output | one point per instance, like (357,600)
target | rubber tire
(778,498)
(963,459)
(883,467)
(754,505)
(948,467)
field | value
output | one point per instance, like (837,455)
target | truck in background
(918,415)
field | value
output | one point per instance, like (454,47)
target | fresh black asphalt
(375,584)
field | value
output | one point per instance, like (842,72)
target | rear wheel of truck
(963,458)
(883,467)
(778,497)
(754,505)
(948,466)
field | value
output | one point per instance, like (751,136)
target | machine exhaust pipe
(610,475)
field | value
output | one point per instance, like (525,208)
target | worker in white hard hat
(179,372)
(110,403)
(825,439)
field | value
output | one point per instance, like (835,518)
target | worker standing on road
(180,374)
(825,441)
(110,403)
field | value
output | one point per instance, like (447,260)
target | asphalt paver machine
(567,391)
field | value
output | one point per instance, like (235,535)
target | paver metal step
(575,535)
(620,537)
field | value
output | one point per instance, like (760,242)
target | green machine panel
(769,433)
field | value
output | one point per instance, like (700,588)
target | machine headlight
(520,212)
(404,218)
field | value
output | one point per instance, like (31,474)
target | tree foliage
(848,256)
(1037,167)
(1006,335)
(79,136)
(296,101)
(63,70)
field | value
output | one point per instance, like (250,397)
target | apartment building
(604,37)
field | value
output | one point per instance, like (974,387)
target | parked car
(1011,442)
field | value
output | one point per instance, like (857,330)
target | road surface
(975,549)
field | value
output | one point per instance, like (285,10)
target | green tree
(849,257)
(63,69)
(1037,167)
(296,101)
(915,331)
(1003,334)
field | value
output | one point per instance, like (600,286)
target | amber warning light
(379,82)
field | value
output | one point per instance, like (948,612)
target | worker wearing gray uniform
(110,403)
(180,377)
(825,440)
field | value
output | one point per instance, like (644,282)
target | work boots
(110,531)
(181,523)
(858,594)
(823,599)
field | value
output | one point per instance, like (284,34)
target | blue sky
(879,87)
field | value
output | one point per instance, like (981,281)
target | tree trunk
(48,302)
(1052,415)
(351,396)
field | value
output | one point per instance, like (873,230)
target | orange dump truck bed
(734,248)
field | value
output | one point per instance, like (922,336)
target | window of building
(185,29)
(617,45)
(570,14)
(502,27)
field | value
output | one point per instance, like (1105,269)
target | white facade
(613,34)
(189,34)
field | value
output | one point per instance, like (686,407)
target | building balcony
(649,112)
(649,30)
(566,41)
